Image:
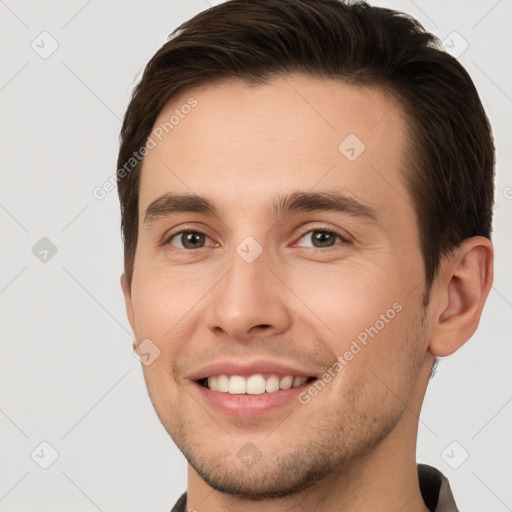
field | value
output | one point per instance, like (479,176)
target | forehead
(241,142)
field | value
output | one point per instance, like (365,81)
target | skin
(352,447)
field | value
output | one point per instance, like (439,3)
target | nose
(248,302)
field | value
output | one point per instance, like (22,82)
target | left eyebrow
(173,204)
(322,201)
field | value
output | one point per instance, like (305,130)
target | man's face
(251,284)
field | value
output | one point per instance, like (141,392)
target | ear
(128,304)
(464,282)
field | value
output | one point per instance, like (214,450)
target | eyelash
(306,231)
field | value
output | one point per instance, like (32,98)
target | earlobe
(465,282)
(125,286)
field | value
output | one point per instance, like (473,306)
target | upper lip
(244,368)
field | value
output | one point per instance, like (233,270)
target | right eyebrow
(172,204)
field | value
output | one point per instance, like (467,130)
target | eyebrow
(173,204)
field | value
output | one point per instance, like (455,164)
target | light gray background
(68,375)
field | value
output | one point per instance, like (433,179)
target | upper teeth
(253,385)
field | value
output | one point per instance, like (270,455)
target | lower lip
(250,405)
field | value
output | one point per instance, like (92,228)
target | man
(306,192)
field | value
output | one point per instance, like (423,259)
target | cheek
(369,321)
(161,300)
(347,298)
(378,376)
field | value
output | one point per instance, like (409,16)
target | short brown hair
(450,174)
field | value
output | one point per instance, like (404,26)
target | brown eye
(188,240)
(322,238)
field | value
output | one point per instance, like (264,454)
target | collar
(435,490)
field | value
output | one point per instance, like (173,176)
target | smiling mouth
(253,385)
